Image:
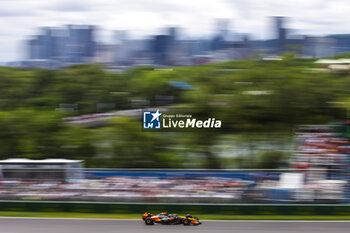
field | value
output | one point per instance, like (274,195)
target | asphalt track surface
(40,225)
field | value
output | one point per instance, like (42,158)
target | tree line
(253,97)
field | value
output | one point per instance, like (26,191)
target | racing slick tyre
(149,221)
(186,222)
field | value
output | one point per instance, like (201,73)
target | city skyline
(144,18)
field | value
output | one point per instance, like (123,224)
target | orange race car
(168,219)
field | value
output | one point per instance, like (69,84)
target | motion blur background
(76,75)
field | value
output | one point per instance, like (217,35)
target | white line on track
(109,219)
(48,218)
(277,221)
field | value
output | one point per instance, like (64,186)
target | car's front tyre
(186,222)
(149,221)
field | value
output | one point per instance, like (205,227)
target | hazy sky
(20,18)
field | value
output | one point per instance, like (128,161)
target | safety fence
(140,208)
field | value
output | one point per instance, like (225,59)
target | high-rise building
(40,46)
(33,48)
(281,33)
(59,39)
(129,51)
(71,44)
(165,48)
(80,43)
(222,27)
(320,47)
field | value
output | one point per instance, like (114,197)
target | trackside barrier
(139,208)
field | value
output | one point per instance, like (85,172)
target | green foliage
(133,148)
(263,160)
(253,96)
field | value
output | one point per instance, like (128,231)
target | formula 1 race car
(169,219)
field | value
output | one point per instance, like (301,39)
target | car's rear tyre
(149,221)
(186,222)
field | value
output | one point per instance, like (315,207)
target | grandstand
(325,151)
(46,169)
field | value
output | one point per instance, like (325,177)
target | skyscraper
(80,43)
(40,47)
(281,33)
(72,44)
(164,47)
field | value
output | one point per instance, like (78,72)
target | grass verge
(138,216)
